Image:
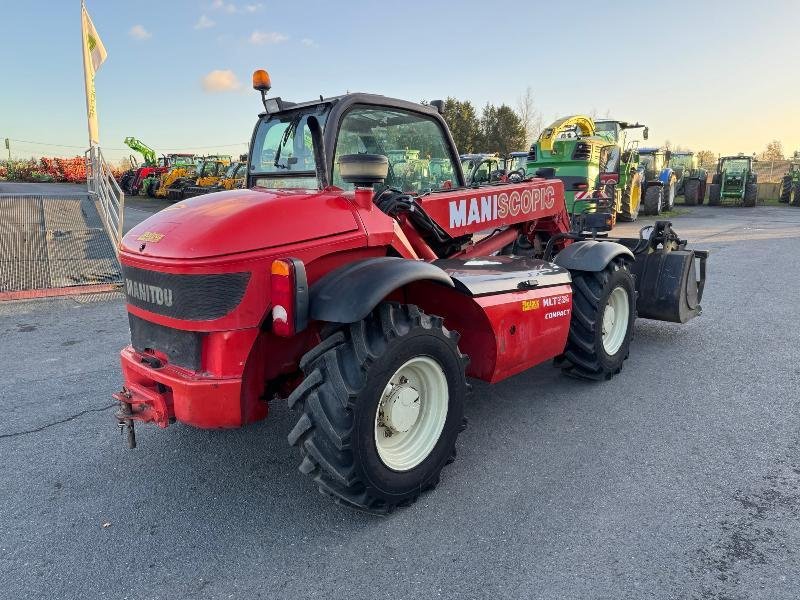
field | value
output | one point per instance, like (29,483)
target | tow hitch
(124,416)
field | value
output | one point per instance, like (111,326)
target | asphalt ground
(680,478)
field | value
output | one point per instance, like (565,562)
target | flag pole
(85,73)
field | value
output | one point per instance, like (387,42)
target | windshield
(414,143)
(681,160)
(283,152)
(607,128)
(518,162)
(735,165)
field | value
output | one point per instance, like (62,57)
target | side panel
(503,334)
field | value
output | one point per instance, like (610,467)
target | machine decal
(530,305)
(150,236)
(491,207)
(557,314)
(151,294)
(556,300)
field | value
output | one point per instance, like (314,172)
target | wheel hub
(609,317)
(401,408)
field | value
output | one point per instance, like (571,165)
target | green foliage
(462,119)
(501,130)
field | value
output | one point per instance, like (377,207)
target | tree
(530,117)
(774,151)
(706,159)
(501,130)
(462,120)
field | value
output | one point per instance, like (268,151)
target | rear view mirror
(646,133)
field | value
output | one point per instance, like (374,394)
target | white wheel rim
(615,320)
(411,413)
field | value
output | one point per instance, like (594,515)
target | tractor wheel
(716,178)
(785,194)
(382,405)
(750,195)
(631,199)
(691,191)
(702,197)
(714,197)
(601,329)
(653,200)
(795,201)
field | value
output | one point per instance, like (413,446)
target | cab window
(419,157)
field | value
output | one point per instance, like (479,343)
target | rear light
(289,296)
(581,186)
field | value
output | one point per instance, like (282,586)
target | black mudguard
(590,255)
(350,293)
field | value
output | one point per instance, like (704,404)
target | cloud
(308,42)
(138,32)
(204,23)
(221,81)
(230,7)
(267,37)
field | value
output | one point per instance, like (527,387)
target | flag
(94,54)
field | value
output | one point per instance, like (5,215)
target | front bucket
(667,284)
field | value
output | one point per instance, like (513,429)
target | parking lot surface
(680,478)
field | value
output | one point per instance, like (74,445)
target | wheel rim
(636,196)
(615,320)
(411,413)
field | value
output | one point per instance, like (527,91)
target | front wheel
(653,200)
(795,199)
(382,405)
(691,192)
(601,329)
(750,195)
(714,194)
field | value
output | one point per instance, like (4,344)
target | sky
(711,75)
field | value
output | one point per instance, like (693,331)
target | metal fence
(105,191)
(771,171)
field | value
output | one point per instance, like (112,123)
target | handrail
(103,187)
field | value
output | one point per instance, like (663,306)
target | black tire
(750,195)
(691,192)
(795,200)
(714,197)
(585,356)
(345,375)
(653,202)
(702,197)
(716,178)
(629,204)
(785,195)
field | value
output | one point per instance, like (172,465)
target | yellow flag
(94,54)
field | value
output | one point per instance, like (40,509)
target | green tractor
(596,162)
(734,180)
(790,183)
(692,178)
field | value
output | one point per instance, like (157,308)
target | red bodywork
(243,364)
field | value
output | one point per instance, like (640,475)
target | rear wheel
(750,195)
(631,198)
(603,312)
(382,406)
(786,190)
(795,201)
(691,192)
(714,194)
(653,200)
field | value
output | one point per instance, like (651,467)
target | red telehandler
(367,291)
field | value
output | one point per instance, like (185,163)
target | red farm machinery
(367,292)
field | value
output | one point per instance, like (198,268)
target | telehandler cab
(366,294)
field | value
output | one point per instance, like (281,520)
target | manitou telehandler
(367,295)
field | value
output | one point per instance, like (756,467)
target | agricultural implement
(734,181)
(233,178)
(660,181)
(207,172)
(691,178)
(150,184)
(597,164)
(790,183)
(367,295)
(131,179)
